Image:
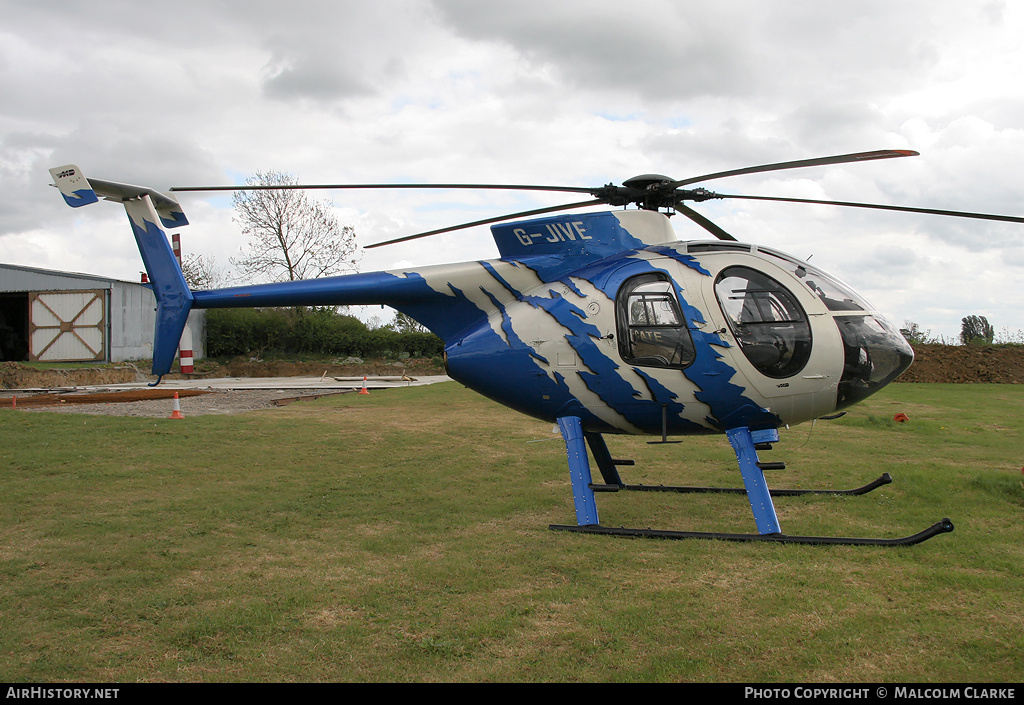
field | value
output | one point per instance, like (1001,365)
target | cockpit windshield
(876,354)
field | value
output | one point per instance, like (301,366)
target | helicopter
(604,323)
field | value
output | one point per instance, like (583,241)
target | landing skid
(884,479)
(942,527)
(745,443)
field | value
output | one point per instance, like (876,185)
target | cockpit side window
(650,329)
(767,321)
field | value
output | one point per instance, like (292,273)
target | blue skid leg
(579,470)
(743,440)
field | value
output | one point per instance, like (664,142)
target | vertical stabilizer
(149,212)
(173,298)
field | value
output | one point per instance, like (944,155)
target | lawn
(402,536)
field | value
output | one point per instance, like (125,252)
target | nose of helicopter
(875,354)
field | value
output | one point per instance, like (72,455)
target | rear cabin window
(651,330)
(767,321)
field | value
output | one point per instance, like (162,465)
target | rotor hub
(650,192)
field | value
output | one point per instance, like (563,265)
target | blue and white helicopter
(604,323)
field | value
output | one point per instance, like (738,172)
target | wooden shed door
(67,326)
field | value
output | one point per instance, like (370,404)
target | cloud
(658,51)
(665,51)
(550,92)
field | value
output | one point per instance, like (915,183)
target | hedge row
(308,330)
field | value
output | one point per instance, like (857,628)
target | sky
(554,93)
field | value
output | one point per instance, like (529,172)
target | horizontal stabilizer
(80,191)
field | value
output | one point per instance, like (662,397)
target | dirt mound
(997,364)
(14,375)
(249,368)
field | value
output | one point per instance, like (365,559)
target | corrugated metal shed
(66,316)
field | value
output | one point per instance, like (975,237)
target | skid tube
(884,479)
(941,527)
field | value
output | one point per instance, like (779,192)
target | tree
(201,272)
(406,324)
(914,334)
(976,329)
(291,236)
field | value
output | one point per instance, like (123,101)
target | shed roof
(17,277)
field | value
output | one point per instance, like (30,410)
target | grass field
(402,536)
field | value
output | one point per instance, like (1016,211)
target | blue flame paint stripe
(81,197)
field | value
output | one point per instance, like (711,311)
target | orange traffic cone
(364,390)
(176,409)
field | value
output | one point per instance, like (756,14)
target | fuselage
(606,317)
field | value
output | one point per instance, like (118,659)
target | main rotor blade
(877,206)
(488,221)
(821,161)
(703,222)
(288,187)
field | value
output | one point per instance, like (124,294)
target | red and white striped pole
(185,355)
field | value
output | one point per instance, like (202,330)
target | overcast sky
(553,92)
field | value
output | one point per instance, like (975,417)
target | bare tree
(201,272)
(291,236)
